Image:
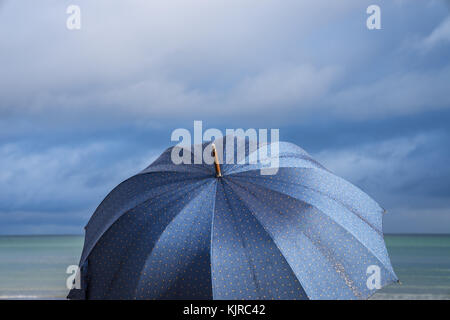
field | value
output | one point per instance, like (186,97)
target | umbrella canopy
(182,232)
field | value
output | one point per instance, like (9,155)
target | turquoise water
(422,263)
(33,267)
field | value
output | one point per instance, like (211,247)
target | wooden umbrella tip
(216,161)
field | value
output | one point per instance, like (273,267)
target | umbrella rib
(121,265)
(342,227)
(165,228)
(204,168)
(232,169)
(295,199)
(84,256)
(244,245)
(337,266)
(353,211)
(140,174)
(156,169)
(211,240)
(269,234)
(198,165)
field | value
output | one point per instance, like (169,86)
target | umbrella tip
(216,161)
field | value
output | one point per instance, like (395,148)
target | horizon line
(80,234)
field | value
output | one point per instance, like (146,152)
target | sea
(37,267)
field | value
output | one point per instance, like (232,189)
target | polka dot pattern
(246,262)
(178,232)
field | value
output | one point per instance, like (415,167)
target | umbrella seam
(127,180)
(211,240)
(244,246)
(231,170)
(121,215)
(321,193)
(326,257)
(165,228)
(150,169)
(115,274)
(342,227)
(199,166)
(271,237)
(127,210)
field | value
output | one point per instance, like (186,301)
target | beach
(34,267)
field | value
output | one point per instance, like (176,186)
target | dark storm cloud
(82,110)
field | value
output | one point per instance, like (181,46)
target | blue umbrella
(210,231)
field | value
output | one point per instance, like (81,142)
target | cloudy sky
(82,110)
